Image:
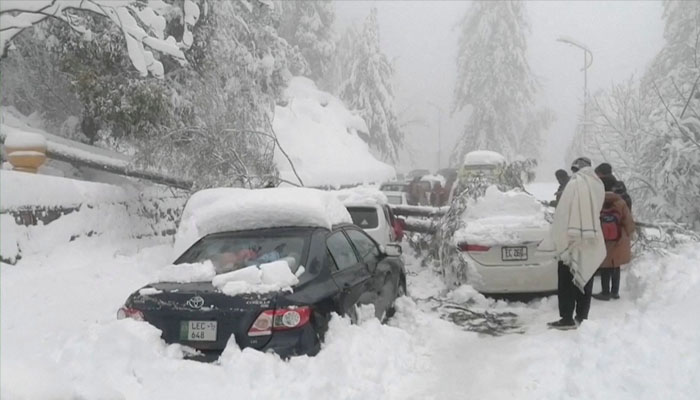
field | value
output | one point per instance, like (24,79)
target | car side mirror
(392,250)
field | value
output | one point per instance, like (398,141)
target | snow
(501,218)
(185,273)
(484,157)
(60,343)
(17,139)
(543,191)
(110,211)
(268,277)
(320,136)
(52,191)
(361,195)
(228,209)
(9,232)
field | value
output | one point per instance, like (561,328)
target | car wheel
(352,314)
(399,293)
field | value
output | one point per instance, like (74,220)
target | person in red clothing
(618,244)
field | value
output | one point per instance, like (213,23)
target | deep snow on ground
(60,339)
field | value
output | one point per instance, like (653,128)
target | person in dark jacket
(618,252)
(605,169)
(563,178)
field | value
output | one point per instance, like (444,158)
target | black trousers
(570,297)
(607,275)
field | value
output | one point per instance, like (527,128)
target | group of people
(591,231)
(425,193)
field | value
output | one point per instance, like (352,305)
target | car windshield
(394,199)
(232,252)
(364,217)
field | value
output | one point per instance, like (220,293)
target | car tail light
(281,319)
(126,312)
(473,247)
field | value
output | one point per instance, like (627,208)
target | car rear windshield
(230,252)
(364,217)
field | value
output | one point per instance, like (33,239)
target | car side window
(364,244)
(341,250)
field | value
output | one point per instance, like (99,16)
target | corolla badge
(195,302)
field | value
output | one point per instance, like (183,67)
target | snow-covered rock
(320,136)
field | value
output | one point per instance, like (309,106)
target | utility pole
(439,154)
(587,61)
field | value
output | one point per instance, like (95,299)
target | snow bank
(185,273)
(231,209)
(484,157)
(501,218)
(20,189)
(73,208)
(361,195)
(320,136)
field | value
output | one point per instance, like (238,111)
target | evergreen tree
(495,81)
(367,88)
(308,26)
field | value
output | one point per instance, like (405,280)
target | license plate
(515,253)
(198,331)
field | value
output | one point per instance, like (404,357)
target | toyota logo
(195,302)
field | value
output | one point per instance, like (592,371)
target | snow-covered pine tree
(674,152)
(308,25)
(494,80)
(367,88)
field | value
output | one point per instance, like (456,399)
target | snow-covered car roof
(361,196)
(483,157)
(498,216)
(434,179)
(231,209)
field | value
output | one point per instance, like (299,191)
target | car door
(382,282)
(348,271)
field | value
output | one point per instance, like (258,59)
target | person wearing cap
(605,170)
(563,178)
(577,241)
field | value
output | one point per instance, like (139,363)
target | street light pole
(439,155)
(587,61)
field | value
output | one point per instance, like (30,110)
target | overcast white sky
(421,38)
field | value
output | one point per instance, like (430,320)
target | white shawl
(575,235)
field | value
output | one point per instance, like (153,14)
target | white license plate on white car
(196,331)
(514,253)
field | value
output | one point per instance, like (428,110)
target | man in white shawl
(577,242)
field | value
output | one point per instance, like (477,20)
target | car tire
(400,293)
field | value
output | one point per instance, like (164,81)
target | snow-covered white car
(497,245)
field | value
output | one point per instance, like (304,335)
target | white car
(375,219)
(498,244)
(369,209)
(397,198)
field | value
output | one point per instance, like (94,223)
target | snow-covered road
(60,340)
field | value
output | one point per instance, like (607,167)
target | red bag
(611,224)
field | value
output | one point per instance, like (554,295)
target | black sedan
(342,269)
